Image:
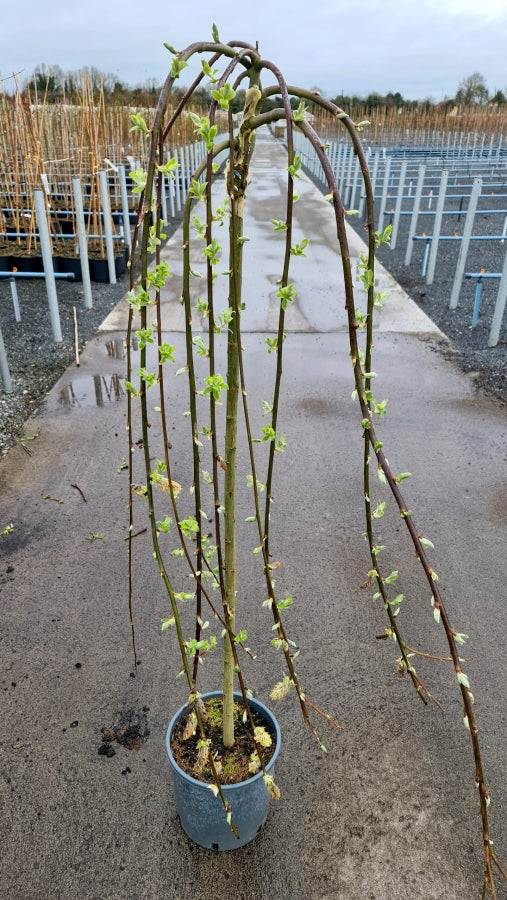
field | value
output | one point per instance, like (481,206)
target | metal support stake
(163,197)
(4,368)
(343,169)
(477,302)
(356,181)
(494,334)
(183,174)
(108,231)
(180,177)
(425,257)
(463,250)
(385,188)
(82,241)
(346,196)
(399,201)
(15,301)
(187,168)
(125,207)
(171,185)
(436,227)
(47,259)
(415,214)
(373,180)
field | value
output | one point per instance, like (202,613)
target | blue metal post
(477,302)
(425,257)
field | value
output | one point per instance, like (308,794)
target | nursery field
(83,155)
(444,194)
(391,810)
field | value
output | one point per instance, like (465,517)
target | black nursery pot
(99,269)
(71,264)
(27,263)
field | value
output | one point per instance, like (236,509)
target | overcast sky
(422,48)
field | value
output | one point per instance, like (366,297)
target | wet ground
(391,810)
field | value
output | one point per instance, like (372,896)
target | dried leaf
(163,483)
(281,688)
(190,727)
(202,757)
(262,737)
(273,790)
(254,764)
(201,706)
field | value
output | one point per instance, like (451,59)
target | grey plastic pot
(202,815)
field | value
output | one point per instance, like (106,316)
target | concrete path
(390,812)
(317,308)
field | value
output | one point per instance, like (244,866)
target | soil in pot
(233,763)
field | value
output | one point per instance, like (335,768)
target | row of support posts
(174,194)
(348,178)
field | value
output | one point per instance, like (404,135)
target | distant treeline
(50,84)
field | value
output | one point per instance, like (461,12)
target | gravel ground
(36,362)
(469,345)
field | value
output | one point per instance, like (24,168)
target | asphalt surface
(391,810)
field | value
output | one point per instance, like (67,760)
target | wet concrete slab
(320,303)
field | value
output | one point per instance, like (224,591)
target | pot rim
(260,707)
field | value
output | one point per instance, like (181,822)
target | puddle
(117,349)
(91,390)
(96,390)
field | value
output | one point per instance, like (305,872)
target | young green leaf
(300,112)
(224,96)
(166,353)
(138,123)
(177,67)
(463,679)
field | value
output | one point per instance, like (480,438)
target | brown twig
(131,536)
(76,486)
